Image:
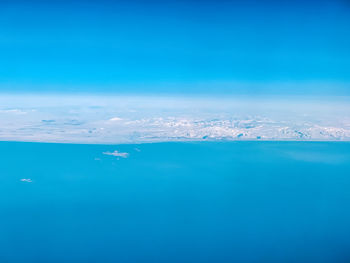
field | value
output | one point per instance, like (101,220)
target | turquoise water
(175,202)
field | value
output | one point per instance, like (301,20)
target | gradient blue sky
(280,47)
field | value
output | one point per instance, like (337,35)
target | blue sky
(272,47)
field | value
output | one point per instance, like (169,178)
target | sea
(179,202)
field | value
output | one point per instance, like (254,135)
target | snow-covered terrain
(132,119)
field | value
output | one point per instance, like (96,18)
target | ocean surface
(175,202)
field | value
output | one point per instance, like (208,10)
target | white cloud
(26,180)
(13,111)
(115,119)
(87,119)
(117,154)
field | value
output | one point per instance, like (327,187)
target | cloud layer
(92,119)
